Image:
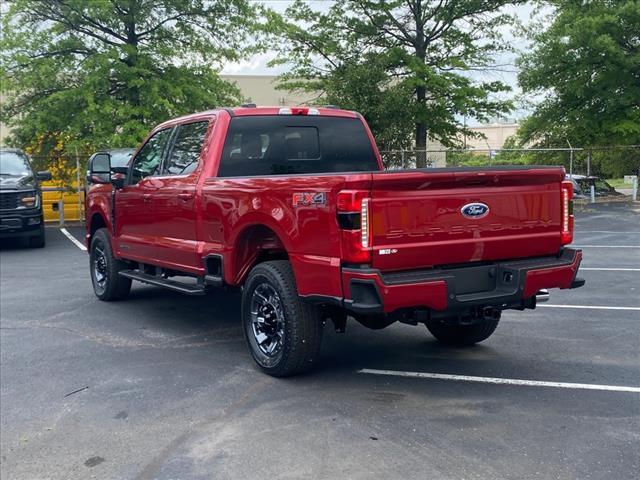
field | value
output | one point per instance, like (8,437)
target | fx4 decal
(305,199)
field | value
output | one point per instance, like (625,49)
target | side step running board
(163,282)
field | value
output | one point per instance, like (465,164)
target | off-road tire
(115,287)
(300,347)
(462,334)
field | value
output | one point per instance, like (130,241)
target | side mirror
(119,176)
(100,168)
(43,176)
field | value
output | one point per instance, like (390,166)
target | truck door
(175,200)
(135,218)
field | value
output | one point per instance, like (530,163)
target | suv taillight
(355,224)
(566,232)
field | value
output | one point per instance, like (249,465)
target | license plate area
(476,279)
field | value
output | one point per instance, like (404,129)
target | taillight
(355,224)
(364,223)
(566,232)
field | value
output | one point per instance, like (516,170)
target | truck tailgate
(417,216)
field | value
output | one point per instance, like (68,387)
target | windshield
(14,164)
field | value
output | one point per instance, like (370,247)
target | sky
(257,65)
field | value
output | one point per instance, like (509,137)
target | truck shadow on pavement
(213,322)
(13,244)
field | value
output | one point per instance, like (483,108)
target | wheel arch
(97,222)
(254,244)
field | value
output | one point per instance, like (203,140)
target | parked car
(293,205)
(582,186)
(21,198)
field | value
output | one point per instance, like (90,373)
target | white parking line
(606,246)
(582,269)
(595,307)
(578,232)
(501,381)
(73,239)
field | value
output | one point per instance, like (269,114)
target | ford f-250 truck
(292,206)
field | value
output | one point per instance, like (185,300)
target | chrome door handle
(185,196)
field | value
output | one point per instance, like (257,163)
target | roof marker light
(298,111)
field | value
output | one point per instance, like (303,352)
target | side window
(187,146)
(149,158)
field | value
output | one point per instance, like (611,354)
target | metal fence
(615,161)
(63,198)
(619,162)
(598,161)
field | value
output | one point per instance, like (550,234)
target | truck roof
(245,111)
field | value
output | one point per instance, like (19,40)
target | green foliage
(509,156)
(407,64)
(616,163)
(586,65)
(366,88)
(100,73)
(462,158)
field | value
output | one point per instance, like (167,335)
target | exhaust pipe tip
(542,296)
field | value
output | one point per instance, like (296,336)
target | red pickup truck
(292,206)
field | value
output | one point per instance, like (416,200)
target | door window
(149,158)
(186,149)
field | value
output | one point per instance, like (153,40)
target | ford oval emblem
(475,210)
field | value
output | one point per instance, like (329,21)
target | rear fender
(255,241)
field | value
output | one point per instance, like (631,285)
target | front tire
(462,334)
(104,267)
(283,332)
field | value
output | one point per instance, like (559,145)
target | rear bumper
(508,284)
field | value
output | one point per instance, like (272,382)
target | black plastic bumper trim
(479,284)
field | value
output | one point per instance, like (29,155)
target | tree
(428,50)
(100,72)
(365,87)
(586,67)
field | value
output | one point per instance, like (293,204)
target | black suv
(21,198)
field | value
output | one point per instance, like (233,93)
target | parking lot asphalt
(161,386)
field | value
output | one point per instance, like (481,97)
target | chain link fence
(63,197)
(619,165)
(607,162)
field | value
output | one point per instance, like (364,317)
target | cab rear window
(289,145)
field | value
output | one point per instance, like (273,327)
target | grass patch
(618,183)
